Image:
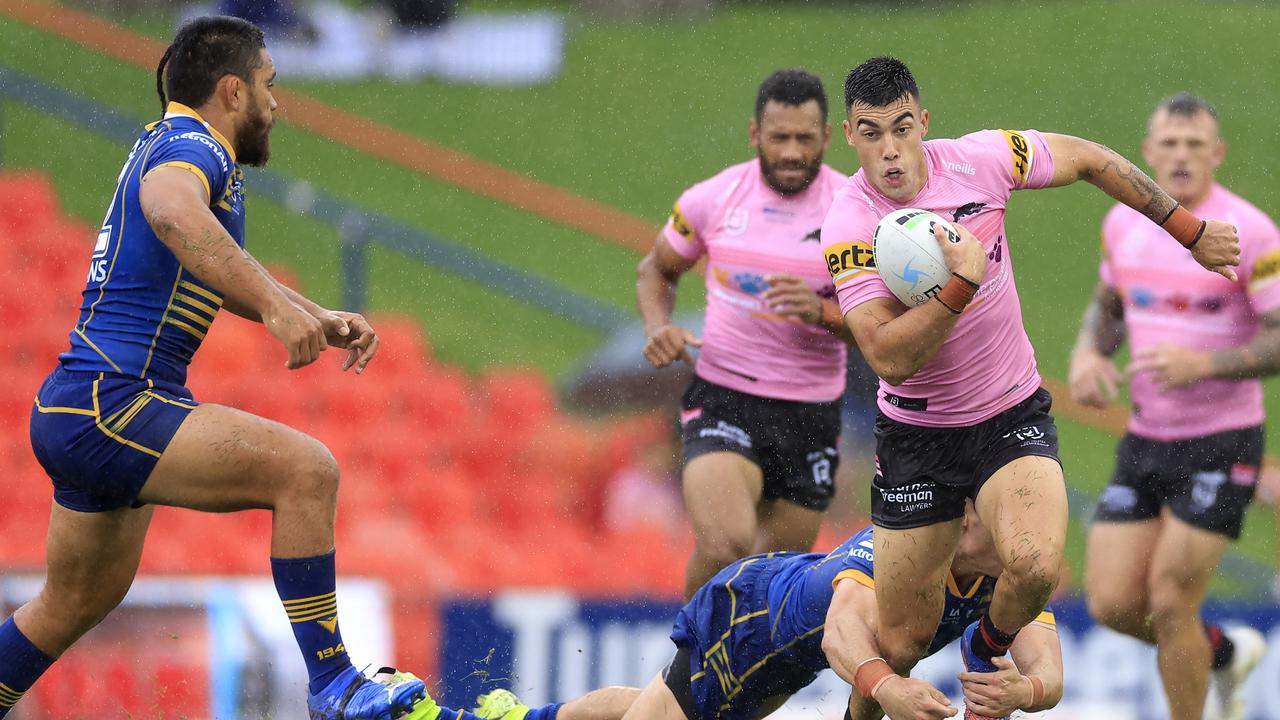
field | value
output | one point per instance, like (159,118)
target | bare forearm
(205,249)
(655,296)
(294,296)
(1102,327)
(1259,358)
(1110,172)
(900,346)
(833,321)
(1039,655)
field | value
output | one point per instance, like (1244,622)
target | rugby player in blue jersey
(765,626)
(113,425)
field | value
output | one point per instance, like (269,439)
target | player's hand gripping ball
(908,256)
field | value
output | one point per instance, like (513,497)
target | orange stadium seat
(433,459)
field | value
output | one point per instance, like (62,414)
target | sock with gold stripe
(21,664)
(307,587)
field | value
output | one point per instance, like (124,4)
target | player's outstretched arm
(1093,377)
(1032,685)
(897,341)
(1214,244)
(656,279)
(346,330)
(850,645)
(176,205)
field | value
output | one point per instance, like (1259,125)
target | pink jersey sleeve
(846,249)
(1013,159)
(1112,226)
(688,225)
(1260,262)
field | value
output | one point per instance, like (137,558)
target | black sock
(1223,649)
(989,641)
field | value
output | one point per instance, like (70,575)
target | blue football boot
(352,696)
(973,663)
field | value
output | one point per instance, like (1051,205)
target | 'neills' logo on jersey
(965,168)
(813,236)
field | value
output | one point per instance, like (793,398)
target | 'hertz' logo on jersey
(846,261)
(1023,155)
(1265,271)
(680,224)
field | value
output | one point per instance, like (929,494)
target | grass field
(641,111)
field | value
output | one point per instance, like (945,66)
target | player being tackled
(765,626)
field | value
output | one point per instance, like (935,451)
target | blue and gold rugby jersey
(143,314)
(800,594)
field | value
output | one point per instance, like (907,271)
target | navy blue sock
(307,587)
(21,664)
(546,712)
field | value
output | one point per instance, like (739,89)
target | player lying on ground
(116,430)
(1188,466)
(962,413)
(765,626)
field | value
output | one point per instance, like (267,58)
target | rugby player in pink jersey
(1186,470)
(962,413)
(761,418)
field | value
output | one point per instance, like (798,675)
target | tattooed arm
(1216,247)
(1259,358)
(176,205)
(1093,377)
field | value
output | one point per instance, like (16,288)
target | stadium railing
(357,227)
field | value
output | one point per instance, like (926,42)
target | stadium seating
(480,481)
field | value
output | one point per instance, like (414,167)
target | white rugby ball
(908,257)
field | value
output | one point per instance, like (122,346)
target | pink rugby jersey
(1169,298)
(749,231)
(986,365)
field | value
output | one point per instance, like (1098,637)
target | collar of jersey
(954,589)
(177,109)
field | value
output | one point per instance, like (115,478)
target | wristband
(870,675)
(957,293)
(1037,691)
(1184,227)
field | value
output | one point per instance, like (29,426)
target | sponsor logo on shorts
(909,498)
(845,261)
(1244,474)
(1204,488)
(820,465)
(1118,497)
(724,430)
(1028,436)
(1023,155)
(688,416)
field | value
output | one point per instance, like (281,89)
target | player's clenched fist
(300,333)
(1218,248)
(907,698)
(965,257)
(668,343)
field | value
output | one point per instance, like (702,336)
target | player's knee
(722,548)
(80,609)
(1174,601)
(903,648)
(1034,577)
(316,474)
(1119,612)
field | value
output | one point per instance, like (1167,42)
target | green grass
(643,110)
